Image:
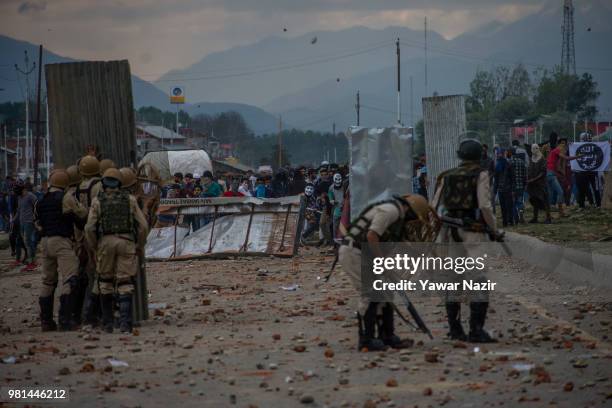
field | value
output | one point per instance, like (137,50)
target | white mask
(309,190)
(337,179)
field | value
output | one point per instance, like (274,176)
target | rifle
(415,315)
(495,236)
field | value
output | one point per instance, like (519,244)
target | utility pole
(38,130)
(47,141)
(17,156)
(27,71)
(357,108)
(411,104)
(426,87)
(5,155)
(280,141)
(399,108)
(334,129)
(177,124)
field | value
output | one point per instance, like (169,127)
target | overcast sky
(159,35)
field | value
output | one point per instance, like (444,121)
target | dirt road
(226,333)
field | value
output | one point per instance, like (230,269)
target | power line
(279,68)
(298,60)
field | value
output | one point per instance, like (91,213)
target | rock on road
(225,333)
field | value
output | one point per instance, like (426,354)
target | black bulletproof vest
(52,220)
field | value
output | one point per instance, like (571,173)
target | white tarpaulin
(227,225)
(381,164)
(594,156)
(184,161)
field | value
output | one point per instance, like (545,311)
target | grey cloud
(32,6)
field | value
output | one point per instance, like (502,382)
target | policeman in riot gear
(106,164)
(87,190)
(128,177)
(400,219)
(74,179)
(117,230)
(56,214)
(463,202)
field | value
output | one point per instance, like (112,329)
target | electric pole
(357,108)
(426,85)
(27,71)
(38,130)
(411,104)
(280,141)
(399,109)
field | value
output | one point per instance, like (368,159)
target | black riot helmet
(470,149)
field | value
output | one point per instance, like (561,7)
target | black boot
(455,332)
(367,330)
(79,298)
(92,309)
(125,313)
(46,313)
(66,323)
(478,315)
(106,302)
(387,330)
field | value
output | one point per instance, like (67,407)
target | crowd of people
(324,189)
(543,174)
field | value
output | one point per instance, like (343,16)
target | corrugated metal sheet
(445,124)
(90,103)
(237,225)
(381,164)
(160,132)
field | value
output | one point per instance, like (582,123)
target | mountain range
(313,85)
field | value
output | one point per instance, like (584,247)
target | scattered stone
(307,399)
(299,349)
(64,371)
(427,391)
(329,353)
(87,368)
(431,357)
(391,382)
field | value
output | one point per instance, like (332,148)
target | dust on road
(226,333)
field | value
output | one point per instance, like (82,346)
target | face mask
(337,180)
(309,190)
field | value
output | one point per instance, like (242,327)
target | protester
(336,199)
(519,176)
(234,190)
(15,239)
(536,185)
(503,183)
(587,182)
(260,188)
(188,185)
(210,188)
(25,214)
(555,169)
(244,188)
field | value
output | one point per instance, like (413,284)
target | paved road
(247,342)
